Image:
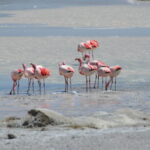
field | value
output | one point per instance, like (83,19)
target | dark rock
(38,119)
(26,123)
(32,112)
(11,136)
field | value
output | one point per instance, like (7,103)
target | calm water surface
(38,4)
(41,30)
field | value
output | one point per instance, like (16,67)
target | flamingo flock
(35,72)
(88,66)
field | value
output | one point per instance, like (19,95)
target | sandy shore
(64,139)
(60,137)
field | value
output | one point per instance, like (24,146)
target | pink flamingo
(115,71)
(98,64)
(16,75)
(87,70)
(41,73)
(103,72)
(94,44)
(29,73)
(83,47)
(67,72)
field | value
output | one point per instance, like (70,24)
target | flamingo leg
(18,85)
(105,83)
(65,84)
(111,80)
(95,81)
(13,88)
(98,81)
(70,84)
(92,54)
(102,83)
(115,84)
(39,82)
(90,82)
(33,85)
(29,83)
(89,52)
(44,85)
(86,83)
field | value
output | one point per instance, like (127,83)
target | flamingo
(94,44)
(103,72)
(87,70)
(29,73)
(115,71)
(16,75)
(98,64)
(83,47)
(41,73)
(67,72)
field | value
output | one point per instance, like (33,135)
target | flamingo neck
(80,62)
(24,66)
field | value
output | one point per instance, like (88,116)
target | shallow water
(37,4)
(127,46)
(41,30)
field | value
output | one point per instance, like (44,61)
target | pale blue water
(37,4)
(43,30)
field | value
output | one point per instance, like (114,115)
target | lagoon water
(47,32)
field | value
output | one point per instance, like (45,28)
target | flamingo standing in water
(98,63)
(67,72)
(115,71)
(89,45)
(94,44)
(29,73)
(87,70)
(83,47)
(103,72)
(16,75)
(41,73)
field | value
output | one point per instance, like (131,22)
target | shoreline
(87,139)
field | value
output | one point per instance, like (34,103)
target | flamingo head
(78,59)
(118,67)
(94,43)
(86,56)
(62,63)
(20,71)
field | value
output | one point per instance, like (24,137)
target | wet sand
(122,42)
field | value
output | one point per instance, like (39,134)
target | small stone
(43,129)
(26,123)
(11,136)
